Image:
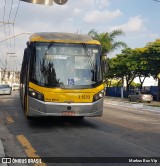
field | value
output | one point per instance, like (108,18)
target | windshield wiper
(61,84)
(91,63)
(88,56)
(50,45)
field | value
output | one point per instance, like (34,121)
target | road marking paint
(9,118)
(30,151)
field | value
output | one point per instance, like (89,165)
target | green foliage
(131,63)
(114,83)
(107,40)
(133,84)
(153,57)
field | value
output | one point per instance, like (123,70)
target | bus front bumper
(41,108)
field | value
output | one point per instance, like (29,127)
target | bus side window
(25,63)
(26,57)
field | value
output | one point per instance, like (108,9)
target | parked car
(5,90)
(141,96)
(15,87)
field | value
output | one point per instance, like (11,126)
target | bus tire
(80,117)
(25,106)
(29,117)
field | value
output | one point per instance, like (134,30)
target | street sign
(60,2)
(42,2)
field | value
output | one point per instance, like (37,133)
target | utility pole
(10,71)
(6,66)
(5,23)
(6,61)
(13,70)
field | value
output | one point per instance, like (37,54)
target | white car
(141,96)
(5,89)
(15,87)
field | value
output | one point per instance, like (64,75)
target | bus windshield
(66,65)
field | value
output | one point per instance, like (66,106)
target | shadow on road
(49,122)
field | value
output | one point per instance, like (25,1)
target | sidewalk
(123,102)
(8,144)
(2,154)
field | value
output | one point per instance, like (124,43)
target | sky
(139,20)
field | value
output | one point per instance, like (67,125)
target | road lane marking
(30,151)
(9,118)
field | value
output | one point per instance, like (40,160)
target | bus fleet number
(84,97)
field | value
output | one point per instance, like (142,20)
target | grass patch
(154,105)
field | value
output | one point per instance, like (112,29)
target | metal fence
(116,91)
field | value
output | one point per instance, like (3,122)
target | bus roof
(62,37)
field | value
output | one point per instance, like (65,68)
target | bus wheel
(80,117)
(25,106)
(29,117)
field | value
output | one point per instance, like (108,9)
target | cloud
(98,16)
(77,11)
(154,35)
(135,24)
(74,16)
(102,4)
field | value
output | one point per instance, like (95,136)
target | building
(9,77)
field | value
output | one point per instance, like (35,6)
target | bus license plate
(68,113)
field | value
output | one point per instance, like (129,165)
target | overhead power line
(14,23)
(9,24)
(5,23)
(4,12)
(15,36)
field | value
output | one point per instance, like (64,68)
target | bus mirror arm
(28,44)
(104,64)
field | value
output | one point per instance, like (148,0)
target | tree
(142,69)
(123,66)
(107,40)
(130,64)
(153,57)
(133,84)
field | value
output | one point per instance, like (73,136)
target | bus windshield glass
(66,65)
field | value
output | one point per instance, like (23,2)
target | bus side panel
(24,79)
(36,107)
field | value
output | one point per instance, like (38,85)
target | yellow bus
(61,75)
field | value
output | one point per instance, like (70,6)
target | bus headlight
(98,96)
(36,94)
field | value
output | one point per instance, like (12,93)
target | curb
(2,154)
(139,106)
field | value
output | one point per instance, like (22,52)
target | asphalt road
(119,133)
